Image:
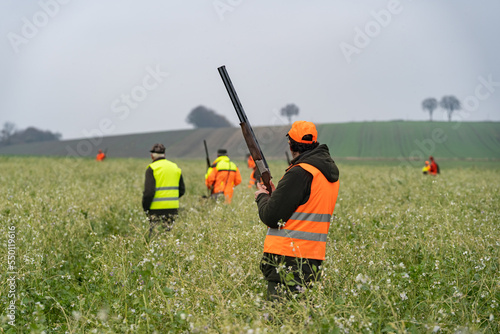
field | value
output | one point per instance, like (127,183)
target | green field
(446,140)
(405,253)
(400,140)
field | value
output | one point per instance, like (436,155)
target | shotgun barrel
(206,153)
(248,134)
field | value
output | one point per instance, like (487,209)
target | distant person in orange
(100,156)
(222,176)
(254,176)
(434,167)
(426,168)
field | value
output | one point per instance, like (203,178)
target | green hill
(466,140)
(361,140)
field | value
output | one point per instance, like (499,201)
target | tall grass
(406,253)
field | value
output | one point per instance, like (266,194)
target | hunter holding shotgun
(298,212)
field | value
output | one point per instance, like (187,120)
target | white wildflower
(362,278)
(77,315)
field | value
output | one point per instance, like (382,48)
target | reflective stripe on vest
(166,188)
(297,234)
(167,176)
(304,234)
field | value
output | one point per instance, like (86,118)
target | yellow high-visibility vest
(167,176)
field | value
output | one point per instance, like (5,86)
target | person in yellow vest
(426,168)
(222,176)
(298,214)
(163,187)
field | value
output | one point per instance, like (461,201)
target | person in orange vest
(100,155)
(434,167)
(254,176)
(222,176)
(298,214)
(426,168)
(163,186)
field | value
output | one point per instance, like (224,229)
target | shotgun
(250,139)
(206,153)
(208,166)
(288,158)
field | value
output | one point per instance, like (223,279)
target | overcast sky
(86,68)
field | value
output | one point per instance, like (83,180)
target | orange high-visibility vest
(304,234)
(250,162)
(100,156)
(223,177)
(253,179)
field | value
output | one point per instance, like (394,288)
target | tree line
(9,135)
(449,103)
(202,117)
(199,117)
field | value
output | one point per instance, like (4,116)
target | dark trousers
(287,275)
(164,222)
(217,196)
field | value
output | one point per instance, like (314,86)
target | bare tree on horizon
(450,103)
(290,110)
(430,104)
(7,131)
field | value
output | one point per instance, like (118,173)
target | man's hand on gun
(262,189)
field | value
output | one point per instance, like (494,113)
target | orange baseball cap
(302,128)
